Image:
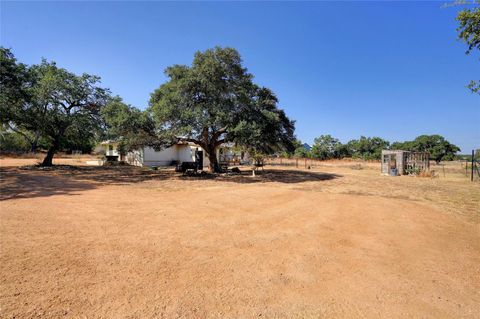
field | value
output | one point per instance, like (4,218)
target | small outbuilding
(399,162)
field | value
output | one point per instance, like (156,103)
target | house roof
(106,142)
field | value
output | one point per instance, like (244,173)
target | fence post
(473,154)
(466,167)
(296,162)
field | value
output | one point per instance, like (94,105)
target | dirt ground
(337,241)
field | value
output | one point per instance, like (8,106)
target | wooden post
(305,163)
(296,162)
(466,167)
(473,154)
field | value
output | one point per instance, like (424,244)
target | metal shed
(399,162)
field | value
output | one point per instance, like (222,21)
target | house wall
(186,153)
(166,157)
(135,158)
(113,152)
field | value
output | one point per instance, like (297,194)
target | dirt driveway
(130,243)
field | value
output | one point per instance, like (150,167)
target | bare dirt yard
(337,241)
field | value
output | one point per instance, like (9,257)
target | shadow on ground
(32,181)
(269,176)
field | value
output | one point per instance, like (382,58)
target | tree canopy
(129,126)
(438,147)
(469,32)
(50,101)
(215,101)
(325,147)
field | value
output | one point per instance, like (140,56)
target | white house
(175,154)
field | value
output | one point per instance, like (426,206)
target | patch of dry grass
(454,193)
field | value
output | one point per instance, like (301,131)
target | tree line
(212,101)
(370,148)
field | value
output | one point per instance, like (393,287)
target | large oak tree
(52,101)
(215,101)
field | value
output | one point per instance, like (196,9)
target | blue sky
(388,69)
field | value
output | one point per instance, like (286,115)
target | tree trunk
(212,158)
(48,160)
(33,146)
(34,143)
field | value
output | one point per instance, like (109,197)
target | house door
(199,159)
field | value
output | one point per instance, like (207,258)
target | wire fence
(437,170)
(307,163)
(472,169)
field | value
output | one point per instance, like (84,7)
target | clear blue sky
(388,69)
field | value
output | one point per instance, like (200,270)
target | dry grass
(453,193)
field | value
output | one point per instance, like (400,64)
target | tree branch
(219,142)
(218,133)
(192,140)
(29,140)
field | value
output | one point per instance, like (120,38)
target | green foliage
(469,27)
(438,147)
(261,126)
(14,84)
(469,32)
(128,125)
(342,151)
(368,148)
(213,101)
(302,152)
(13,142)
(299,150)
(325,147)
(413,170)
(50,102)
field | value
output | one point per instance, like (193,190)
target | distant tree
(469,32)
(405,146)
(325,147)
(57,104)
(11,141)
(300,150)
(438,147)
(367,147)
(214,101)
(342,151)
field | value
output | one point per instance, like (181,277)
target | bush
(13,142)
